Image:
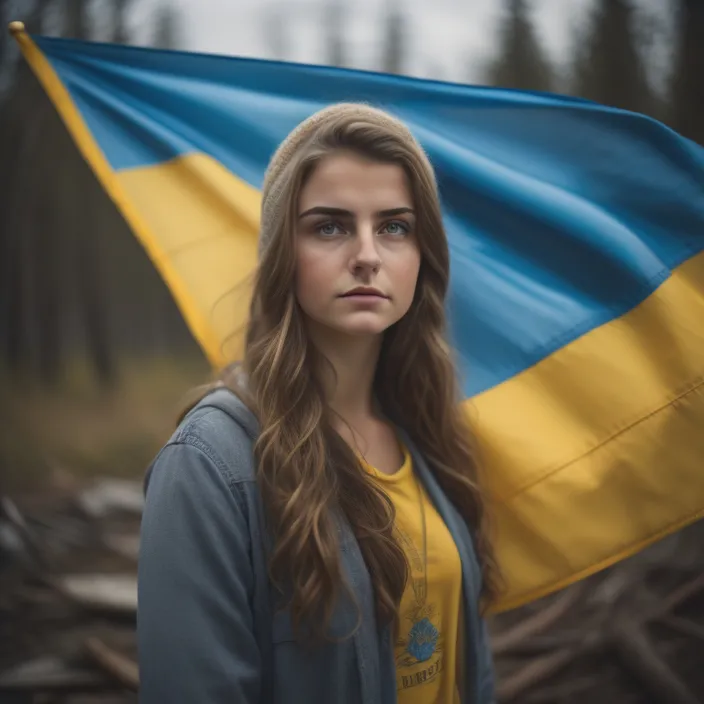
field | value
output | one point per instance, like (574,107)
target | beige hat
(276,173)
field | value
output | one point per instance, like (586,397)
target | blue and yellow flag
(577,284)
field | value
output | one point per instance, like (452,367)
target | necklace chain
(424,593)
(425,540)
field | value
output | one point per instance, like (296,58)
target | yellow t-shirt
(426,649)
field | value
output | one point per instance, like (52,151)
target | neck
(349,390)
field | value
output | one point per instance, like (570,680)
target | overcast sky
(450,39)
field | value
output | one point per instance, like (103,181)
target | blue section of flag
(562,214)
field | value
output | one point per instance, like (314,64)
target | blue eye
(396,227)
(328,229)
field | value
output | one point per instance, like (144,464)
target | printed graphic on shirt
(419,658)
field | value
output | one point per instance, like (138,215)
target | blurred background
(94,356)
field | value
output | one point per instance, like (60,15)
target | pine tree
(119,33)
(688,77)
(394,49)
(167,33)
(334,19)
(521,62)
(608,68)
(76,19)
(92,295)
(276,31)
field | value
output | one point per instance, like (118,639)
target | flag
(576,301)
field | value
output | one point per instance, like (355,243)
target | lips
(364,292)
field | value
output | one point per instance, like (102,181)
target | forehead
(351,181)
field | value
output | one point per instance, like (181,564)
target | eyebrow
(342,213)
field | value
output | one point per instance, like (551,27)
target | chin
(352,326)
(370,326)
(363,330)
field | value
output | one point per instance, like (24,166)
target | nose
(366,257)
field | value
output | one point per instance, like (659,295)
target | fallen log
(568,690)
(124,545)
(116,593)
(538,622)
(120,667)
(536,672)
(50,674)
(112,496)
(683,626)
(679,596)
(632,645)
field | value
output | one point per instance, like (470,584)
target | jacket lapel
(366,637)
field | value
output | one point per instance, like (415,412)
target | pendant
(422,640)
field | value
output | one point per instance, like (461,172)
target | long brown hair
(308,476)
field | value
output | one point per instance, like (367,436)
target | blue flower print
(422,640)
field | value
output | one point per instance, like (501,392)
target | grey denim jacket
(208,629)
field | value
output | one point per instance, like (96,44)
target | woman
(314,531)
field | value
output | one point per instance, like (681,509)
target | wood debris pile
(68,597)
(633,634)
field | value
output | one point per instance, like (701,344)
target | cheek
(406,275)
(312,278)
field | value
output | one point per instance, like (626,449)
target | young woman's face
(357,255)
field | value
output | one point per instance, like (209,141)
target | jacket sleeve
(194,622)
(485,663)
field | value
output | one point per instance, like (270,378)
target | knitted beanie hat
(338,114)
